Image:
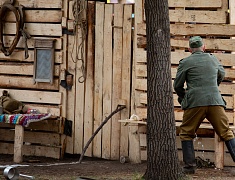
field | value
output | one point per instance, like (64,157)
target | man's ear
(204,47)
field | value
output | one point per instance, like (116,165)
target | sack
(10,105)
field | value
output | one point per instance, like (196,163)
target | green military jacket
(202,73)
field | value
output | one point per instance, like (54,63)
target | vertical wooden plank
(99,57)
(18,144)
(126,73)
(219,152)
(89,84)
(138,18)
(117,67)
(107,80)
(232,11)
(63,68)
(71,94)
(134,138)
(80,91)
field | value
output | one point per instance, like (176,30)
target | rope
(79,9)
(19,15)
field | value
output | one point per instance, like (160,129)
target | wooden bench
(134,142)
(19,138)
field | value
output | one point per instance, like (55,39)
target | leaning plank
(35,96)
(22,69)
(39,4)
(107,88)
(36,29)
(225,88)
(195,29)
(49,16)
(211,44)
(26,82)
(19,56)
(21,44)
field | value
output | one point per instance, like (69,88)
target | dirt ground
(91,168)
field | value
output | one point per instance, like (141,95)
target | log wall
(43,19)
(212,21)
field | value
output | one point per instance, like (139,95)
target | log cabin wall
(214,22)
(100,63)
(43,19)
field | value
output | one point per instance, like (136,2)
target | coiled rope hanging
(19,16)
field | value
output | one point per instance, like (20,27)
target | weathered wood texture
(211,21)
(43,19)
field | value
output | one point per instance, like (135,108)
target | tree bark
(162,155)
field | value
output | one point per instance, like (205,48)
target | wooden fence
(107,84)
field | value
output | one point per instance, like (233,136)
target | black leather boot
(188,157)
(231,147)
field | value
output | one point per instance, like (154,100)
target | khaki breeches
(193,117)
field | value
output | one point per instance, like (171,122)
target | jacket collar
(198,52)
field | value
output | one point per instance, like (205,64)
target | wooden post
(134,144)
(219,152)
(18,144)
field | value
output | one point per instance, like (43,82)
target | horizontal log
(22,82)
(19,56)
(198,16)
(195,4)
(32,150)
(224,58)
(46,138)
(142,113)
(49,16)
(38,3)
(55,126)
(141,71)
(21,44)
(36,29)
(195,29)
(22,69)
(229,100)
(211,44)
(30,96)
(205,143)
(225,88)
(54,110)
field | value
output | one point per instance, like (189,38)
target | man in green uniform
(201,99)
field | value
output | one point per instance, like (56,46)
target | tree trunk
(162,155)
